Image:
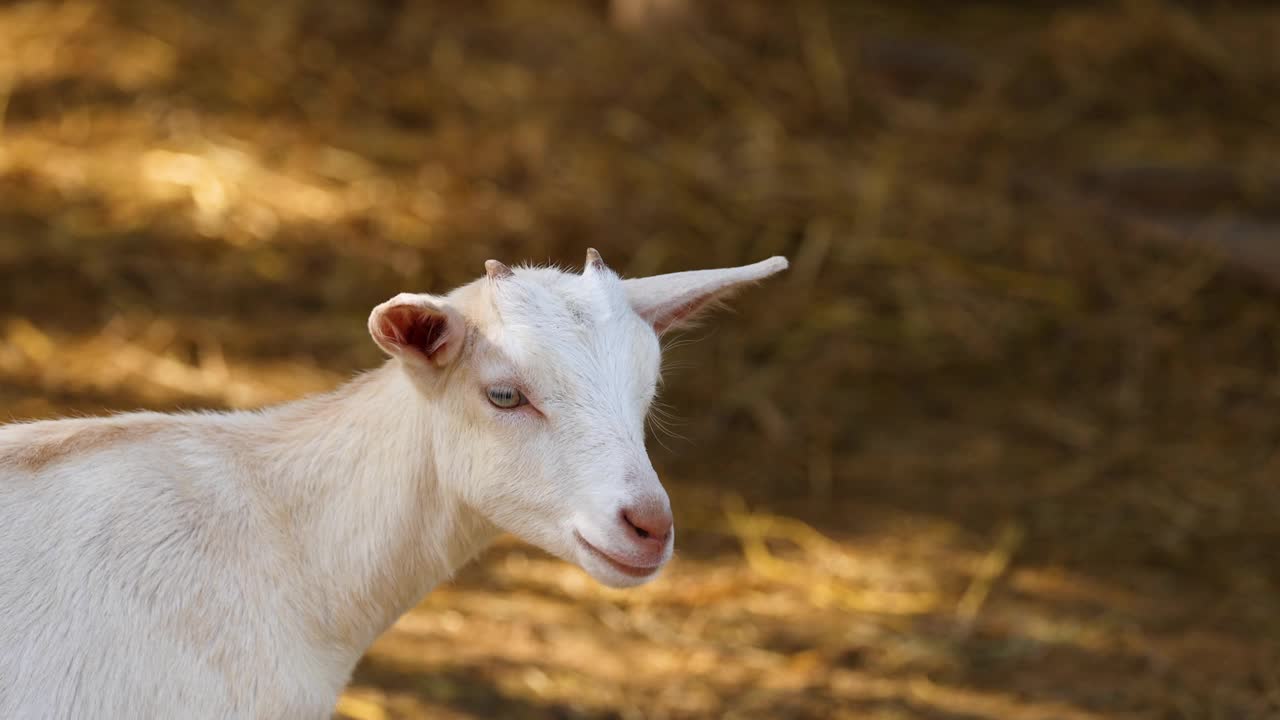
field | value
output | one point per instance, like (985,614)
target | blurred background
(1002,444)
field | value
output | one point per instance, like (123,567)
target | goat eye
(506,397)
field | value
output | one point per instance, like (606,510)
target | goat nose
(649,521)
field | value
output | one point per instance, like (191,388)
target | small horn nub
(593,260)
(496,270)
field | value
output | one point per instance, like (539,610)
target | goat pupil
(504,397)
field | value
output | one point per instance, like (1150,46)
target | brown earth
(1002,444)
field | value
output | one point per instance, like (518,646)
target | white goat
(238,565)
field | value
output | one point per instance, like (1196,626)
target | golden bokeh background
(1002,444)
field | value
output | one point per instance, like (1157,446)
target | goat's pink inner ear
(665,318)
(418,329)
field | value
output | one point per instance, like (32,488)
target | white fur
(238,565)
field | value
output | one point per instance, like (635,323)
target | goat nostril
(639,530)
(645,526)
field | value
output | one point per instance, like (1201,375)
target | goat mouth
(635,571)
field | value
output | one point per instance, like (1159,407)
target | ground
(1002,444)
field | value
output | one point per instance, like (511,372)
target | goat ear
(669,301)
(418,328)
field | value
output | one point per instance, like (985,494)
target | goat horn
(594,261)
(496,270)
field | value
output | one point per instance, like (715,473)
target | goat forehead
(557,304)
(577,328)
(551,292)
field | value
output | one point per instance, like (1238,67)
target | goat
(237,565)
